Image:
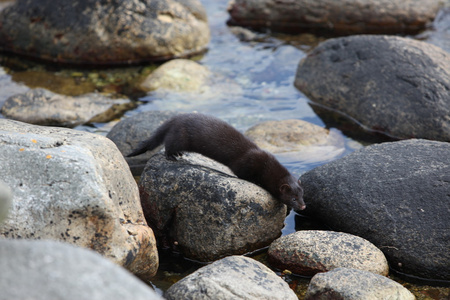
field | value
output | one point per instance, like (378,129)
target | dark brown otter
(218,140)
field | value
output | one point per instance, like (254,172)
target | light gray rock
(53,270)
(5,201)
(395,195)
(104,32)
(341,17)
(76,187)
(351,284)
(42,107)
(234,277)
(178,75)
(198,205)
(393,85)
(129,132)
(309,252)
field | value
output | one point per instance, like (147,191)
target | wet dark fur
(218,140)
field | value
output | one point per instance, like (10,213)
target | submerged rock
(394,85)
(198,205)
(104,32)
(351,284)
(178,75)
(42,107)
(395,195)
(311,251)
(234,277)
(340,17)
(309,142)
(75,187)
(52,270)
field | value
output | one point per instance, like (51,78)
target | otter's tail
(154,141)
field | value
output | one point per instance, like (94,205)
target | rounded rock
(104,32)
(234,277)
(395,195)
(178,75)
(393,85)
(309,252)
(351,284)
(202,209)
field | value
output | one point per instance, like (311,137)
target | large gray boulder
(308,252)
(42,107)
(203,209)
(75,187)
(234,277)
(396,195)
(104,32)
(53,270)
(394,85)
(341,17)
(351,284)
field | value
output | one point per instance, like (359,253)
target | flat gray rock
(104,32)
(75,187)
(42,270)
(393,85)
(42,107)
(351,284)
(234,277)
(395,195)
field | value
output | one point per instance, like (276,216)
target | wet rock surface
(74,273)
(339,17)
(310,252)
(75,187)
(345,283)
(395,195)
(129,132)
(234,277)
(397,86)
(42,107)
(111,32)
(198,205)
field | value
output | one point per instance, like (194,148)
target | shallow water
(254,75)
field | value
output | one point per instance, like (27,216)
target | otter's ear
(285,188)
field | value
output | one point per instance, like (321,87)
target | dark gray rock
(351,284)
(53,270)
(395,195)
(104,32)
(234,277)
(308,252)
(129,132)
(341,17)
(42,107)
(398,86)
(198,205)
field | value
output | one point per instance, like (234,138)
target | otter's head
(291,193)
